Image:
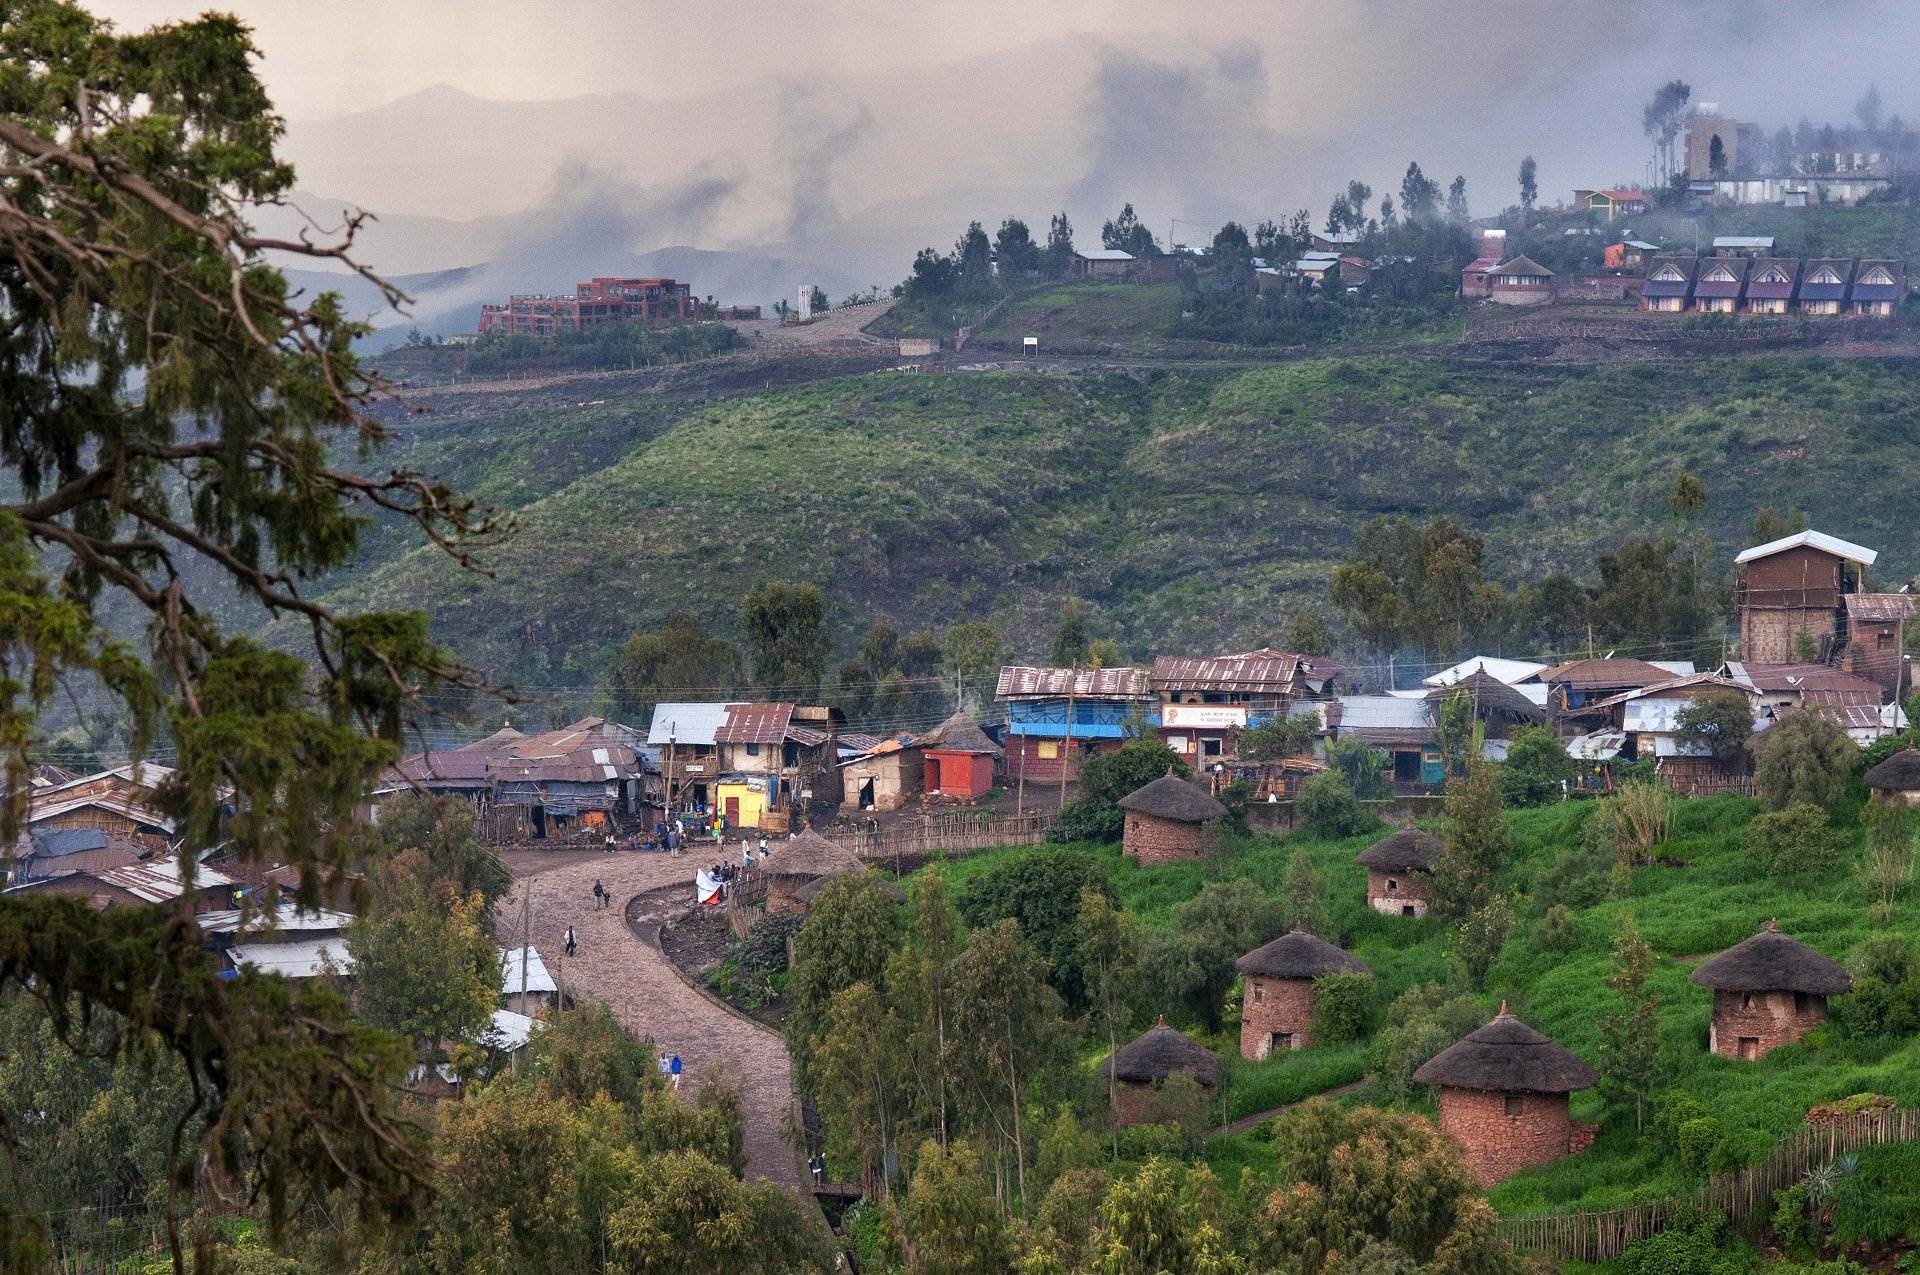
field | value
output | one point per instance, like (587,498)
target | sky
(848,131)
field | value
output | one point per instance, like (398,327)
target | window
(1258,991)
(1746,1000)
(1049,750)
(1407,910)
(1800,1002)
(1748,1048)
(753,750)
(1392,885)
(1883,640)
(1210,747)
(1282,1040)
(1513,1104)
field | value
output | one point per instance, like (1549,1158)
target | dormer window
(1824,275)
(1720,275)
(1669,275)
(1876,275)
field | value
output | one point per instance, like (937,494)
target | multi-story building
(596,301)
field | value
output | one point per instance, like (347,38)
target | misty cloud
(816,135)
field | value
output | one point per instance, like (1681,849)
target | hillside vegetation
(1192,507)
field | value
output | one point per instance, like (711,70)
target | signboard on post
(1204,716)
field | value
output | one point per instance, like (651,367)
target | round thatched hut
(800,860)
(1768,991)
(1897,779)
(1145,1062)
(1399,871)
(1169,820)
(1276,1006)
(1503,1098)
(806,894)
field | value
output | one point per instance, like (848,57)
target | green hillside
(1191,506)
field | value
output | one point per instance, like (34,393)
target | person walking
(599,894)
(673,1069)
(763,845)
(571,945)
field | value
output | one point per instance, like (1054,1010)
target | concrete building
(884,777)
(1170,820)
(1399,872)
(1521,281)
(1717,146)
(1056,717)
(599,300)
(1276,1005)
(1503,1098)
(1141,1066)
(1768,991)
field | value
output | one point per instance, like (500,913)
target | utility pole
(526,940)
(1066,753)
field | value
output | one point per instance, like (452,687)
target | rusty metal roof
(1020,681)
(1260,672)
(1606,672)
(754,724)
(1806,680)
(806,736)
(1878,608)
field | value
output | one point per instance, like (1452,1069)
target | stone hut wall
(1496,1144)
(1151,840)
(780,895)
(1274,1005)
(1748,1024)
(1137,1102)
(1392,893)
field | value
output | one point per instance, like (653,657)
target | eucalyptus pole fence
(1603,1235)
(946,834)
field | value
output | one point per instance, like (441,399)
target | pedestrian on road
(599,894)
(746,853)
(570,943)
(673,1069)
(763,845)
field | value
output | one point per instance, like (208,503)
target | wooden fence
(1602,1236)
(948,835)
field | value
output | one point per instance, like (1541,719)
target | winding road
(648,995)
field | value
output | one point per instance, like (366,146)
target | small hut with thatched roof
(1897,779)
(806,894)
(799,860)
(1143,1064)
(1768,991)
(958,759)
(1276,1006)
(1169,820)
(1503,1098)
(1399,871)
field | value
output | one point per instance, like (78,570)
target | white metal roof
(158,880)
(1814,540)
(287,918)
(1599,746)
(510,1030)
(1679,668)
(538,980)
(1103,254)
(1383,712)
(119,803)
(687,723)
(1743,241)
(301,958)
(1508,671)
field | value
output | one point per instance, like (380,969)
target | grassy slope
(1191,506)
(1716,899)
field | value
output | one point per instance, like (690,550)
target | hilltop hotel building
(596,301)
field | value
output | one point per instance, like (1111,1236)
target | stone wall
(1270,1005)
(1137,1102)
(1392,893)
(1276,818)
(780,894)
(1767,1019)
(1495,1144)
(1151,840)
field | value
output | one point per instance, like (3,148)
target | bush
(1694,1243)
(1805,760)
(1578,877)
(1040,891)
(1885,1000)
(1557,932)
(1795,842)
(1642,819)
(1342,1007)
(1087,819)
(1881,749)
(1328,805)
(1696,1142)
(1536,764)
(1478,942)
(1419,1024)
(1104,779)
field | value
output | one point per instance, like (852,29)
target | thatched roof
(1507,1056)
(1170,797)
(1898,773)
(810,855)
(1159,1052)
(1493,697)
(1408,850)
(959,734)
(811,890)
(1772,962)
(1298,955)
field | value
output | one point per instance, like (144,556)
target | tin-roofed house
(1669,285)
(1878,288)
(1771,285)
(1720,285)
(1503,1098)
(143,883)
(884,776)
(1402,728)
(1648,721)
(1576,688)
(1521,281)
(772,758)
(1874,629)
(1768,991)
(1057,717)
(1206,701)
(1789,594)
(1824,285)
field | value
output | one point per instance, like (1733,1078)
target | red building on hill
(598,300)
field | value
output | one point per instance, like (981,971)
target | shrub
(1342,1006)
(1087,819)
(1805,760)
(1694,1243)
(1328,805)
(1795,842)
(1885,1000)
(1040,891)
(1420,1023)
(1557,932)
(1478,942)
(1696,1142)
(1578,877)
(1364,768)
(1536,764)
(1881,749)
(1104,779)
(1721,722)
(1642,818)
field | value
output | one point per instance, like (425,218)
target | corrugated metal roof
(1602,745)
(1259,672)
(301,958)
(1508,671)
(538,980)
(287,918)
(1879,608)
(755,724)
(1703,681)
(1801,679)
(1743,241)
(806,736)
(686,723)
(510,1031)
(1605,672)
(1813,540)
(42,809)
(158,880)
(1020,681)
(1384,712)
(1102,254)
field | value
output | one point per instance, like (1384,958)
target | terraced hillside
(1191,506)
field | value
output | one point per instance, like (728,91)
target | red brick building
(1503,1098)
(1768,991)
(596,301)
(1276,1006)
(1399,872)
(957,759)
(1141,1067)
(1170,820)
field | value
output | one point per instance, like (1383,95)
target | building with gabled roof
(1772,284)
(1205,701)
(1057,717)
(1879,286)
(1791,594)
(1720,285)
(1824,285)
(1521,281)
(1668,287)
(1613,203)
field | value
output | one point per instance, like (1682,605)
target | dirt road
(648,997)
